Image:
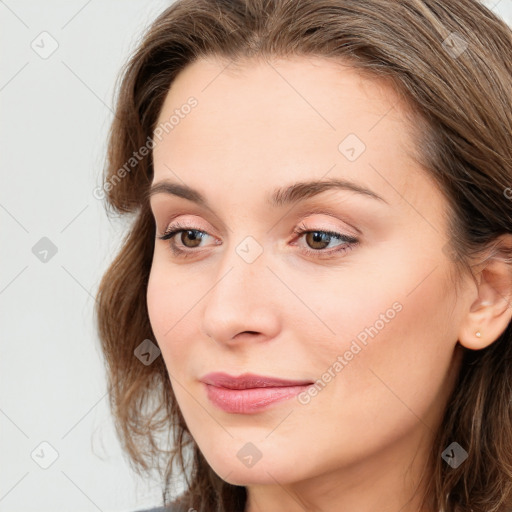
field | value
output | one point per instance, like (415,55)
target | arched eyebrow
(279,198)
(305,189)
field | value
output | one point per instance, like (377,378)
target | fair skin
(361,443)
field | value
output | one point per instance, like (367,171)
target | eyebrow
(279,198)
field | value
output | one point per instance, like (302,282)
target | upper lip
(248,380)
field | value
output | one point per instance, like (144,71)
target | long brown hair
(452,62)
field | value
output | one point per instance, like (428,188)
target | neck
(390,481)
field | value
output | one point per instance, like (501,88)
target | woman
(314,295)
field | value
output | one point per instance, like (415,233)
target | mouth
(249,393)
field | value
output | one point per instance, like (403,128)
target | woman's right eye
(187,231)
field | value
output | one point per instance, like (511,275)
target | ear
(491,312)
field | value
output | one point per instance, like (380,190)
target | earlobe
(483,326)
(477,341)
(489,315)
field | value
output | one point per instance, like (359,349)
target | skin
(361,443)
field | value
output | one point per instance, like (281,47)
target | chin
(261,473)
(245,477)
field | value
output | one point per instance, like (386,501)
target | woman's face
(368,315)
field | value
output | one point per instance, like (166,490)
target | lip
(249,393)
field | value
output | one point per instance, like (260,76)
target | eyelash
(176,228)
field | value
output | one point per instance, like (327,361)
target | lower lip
(246,401)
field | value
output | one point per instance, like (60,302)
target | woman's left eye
(318,238)
(322,238)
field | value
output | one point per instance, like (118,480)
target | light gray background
(55,115)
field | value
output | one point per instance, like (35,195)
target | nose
(243,301)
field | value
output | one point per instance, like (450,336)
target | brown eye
(317,239)
(188,240)
(192,235)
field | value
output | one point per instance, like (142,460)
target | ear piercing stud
(478,334)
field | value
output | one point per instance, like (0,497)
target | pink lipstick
(249,393)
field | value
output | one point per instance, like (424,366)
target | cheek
(394,333)
(172,301)
(157,302)
(165,308)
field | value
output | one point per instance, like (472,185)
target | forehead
(260,120)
